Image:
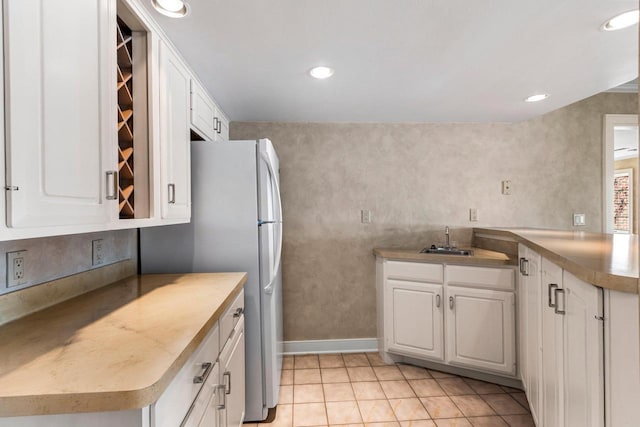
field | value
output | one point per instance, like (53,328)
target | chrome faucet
(446,236)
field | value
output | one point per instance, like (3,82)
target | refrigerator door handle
(274,181)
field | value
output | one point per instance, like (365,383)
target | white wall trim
(355,345)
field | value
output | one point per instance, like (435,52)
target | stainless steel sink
(446,251)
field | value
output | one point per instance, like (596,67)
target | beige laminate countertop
(479,257)
(606,260)
(114,348)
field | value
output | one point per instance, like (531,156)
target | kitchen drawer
(231,317)
(418,271)
(492,278)
(172,407)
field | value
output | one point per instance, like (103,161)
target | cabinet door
(175,174)
(233,377)
(481,329)
(202,112)
(60,104)
(583,354)
(211,416)
(522,316)
(414,319)
(533,333)
(552,361)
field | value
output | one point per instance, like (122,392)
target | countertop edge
(17,406)
(447,259)
(601,279)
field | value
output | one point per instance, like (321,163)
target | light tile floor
(361,390)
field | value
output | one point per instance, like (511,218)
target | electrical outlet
(16,268)
(365,216)
(97,252)
(506,188)
(473,214)
(579,220)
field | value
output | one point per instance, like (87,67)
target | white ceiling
(403,61)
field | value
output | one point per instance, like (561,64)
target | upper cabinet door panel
(175,82)
(202,112)
(58,90)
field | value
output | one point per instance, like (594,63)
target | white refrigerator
(236,225)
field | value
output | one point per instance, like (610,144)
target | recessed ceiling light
(321,72)
(537,97)
(171,8)
(624,20)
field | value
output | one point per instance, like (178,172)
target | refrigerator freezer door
(270,236)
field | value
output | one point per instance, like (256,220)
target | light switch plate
(16,268)
(365,216)
(473,214)
(579,219)
(506,188)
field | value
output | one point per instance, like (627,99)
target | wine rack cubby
(125,122)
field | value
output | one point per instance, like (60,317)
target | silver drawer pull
(238,312)
(172,193)
(438,302)
(207,370)
(451,303)
(552,287)
(227,375)
(525,267)
(557,309)
(222,388)
(521,261)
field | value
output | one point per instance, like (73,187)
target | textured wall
(51,258)
(415,178)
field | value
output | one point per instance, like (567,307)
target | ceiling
(403,61)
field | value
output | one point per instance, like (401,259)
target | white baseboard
(355,345)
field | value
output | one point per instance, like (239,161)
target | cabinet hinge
(11,188)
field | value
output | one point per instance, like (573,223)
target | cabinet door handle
(556,308)
(525,267)
(112,185)
(215,124)
(199,379)
(219,127)
(552,287)
(222,388)
(238,312)
(438,302)
(172,193)
(451,303)
(227,375)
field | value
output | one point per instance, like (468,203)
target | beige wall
(633,165)
(415,178)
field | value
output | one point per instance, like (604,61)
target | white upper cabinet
(60,104)
(203,112)
(174,97)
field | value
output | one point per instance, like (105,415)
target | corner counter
(606,260)
(480,257)
(112,349)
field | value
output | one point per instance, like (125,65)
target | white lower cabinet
(459,315)
(564,349)
(233,378)
(416,322)
(530,285)
(481,329)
